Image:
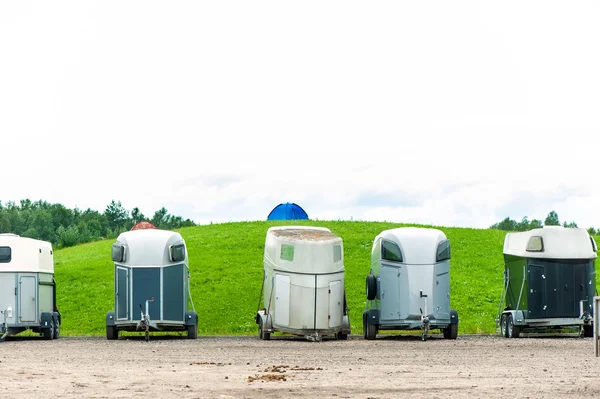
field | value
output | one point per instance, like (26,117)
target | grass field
(226,274)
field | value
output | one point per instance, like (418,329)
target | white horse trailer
(151,284)
(303,284)
(408,287)
(27,287)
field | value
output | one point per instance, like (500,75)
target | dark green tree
(552,219)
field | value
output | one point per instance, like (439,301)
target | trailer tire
(512,330)
(369,330)
(342,336)
(192,331)
(112,332)
(504,325)
(49,332)
(261,333)
(56,329)
(588,331)
(451,332)
(371,287)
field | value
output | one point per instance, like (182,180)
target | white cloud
(451,114)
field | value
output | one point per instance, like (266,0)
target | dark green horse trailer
(151,284)
(549,281)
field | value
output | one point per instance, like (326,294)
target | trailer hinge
(330,291)
(329,317)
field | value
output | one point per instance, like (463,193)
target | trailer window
(177,253)
(287,252)
(337,253)
(391,251)
(118,252)
(535,244)
(443,251)
(5,254)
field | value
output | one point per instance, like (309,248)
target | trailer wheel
(342,336)
(370,330)
(192,331)
(261,333)
(512,330)
(112,332)
(49,332)
(451,332)
(371,287)
(504,326)
(57,329)
(588,331)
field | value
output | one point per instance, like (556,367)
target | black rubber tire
(342,336)
(504,325)
(112,332)
(56,329)
(49,332)
(371,287)
(451,332)
(588,330)
(370,330)
(261,334)
(512,330)
(192,331)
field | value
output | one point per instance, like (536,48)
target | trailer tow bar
(424,319)
(144,323)
(4,327)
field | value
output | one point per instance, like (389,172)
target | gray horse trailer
(27,287)
(151,284)
(408,287)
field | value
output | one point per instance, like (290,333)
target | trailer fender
(110,319)
(346,325)
(517,316)
(191,318)
(372,316)
(267,321)
(453,316)
(46,320)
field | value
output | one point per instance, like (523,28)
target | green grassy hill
(226,274)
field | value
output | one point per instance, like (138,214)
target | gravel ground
(246,367)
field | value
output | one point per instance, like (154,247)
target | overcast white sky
(445,113)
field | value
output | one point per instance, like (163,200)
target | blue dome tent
(287,211)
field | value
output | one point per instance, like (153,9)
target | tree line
(551,220)
(65,227)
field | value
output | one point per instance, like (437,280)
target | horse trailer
(27,287)
(549,281)
(408,286)
(303,284)
(151,284)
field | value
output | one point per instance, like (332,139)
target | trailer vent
(535,244)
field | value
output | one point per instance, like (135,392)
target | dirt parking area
(245,367)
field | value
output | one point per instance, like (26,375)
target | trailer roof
(27,255)
(558,243)
(419,245)
(149,247)
(303,233)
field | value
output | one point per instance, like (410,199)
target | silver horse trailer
(27,287)
(408,287)
(303,284)
(151,284)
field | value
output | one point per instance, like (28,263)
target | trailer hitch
(144,323)
(424,318)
